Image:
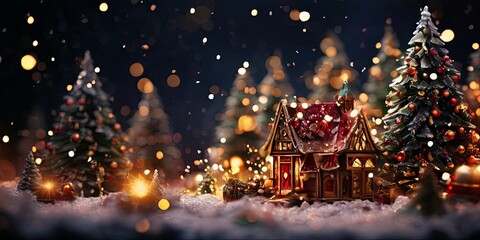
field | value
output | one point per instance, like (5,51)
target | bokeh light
(103,7)
(304,16)
(447,35)
(294,15)
(173,81)
(136,69)
(163,204)
(28,62)
(144,85)
(475,46)
(30,20)
(254,12)
(6,139)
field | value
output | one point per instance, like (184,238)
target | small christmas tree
(207,185)
(238,132)
(156,186)
(428,124)
(151,138)
(88,146)
(273,88)
(427,200)
(331,71)
(382,73)
(31,177)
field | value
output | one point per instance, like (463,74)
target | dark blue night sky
(65,29)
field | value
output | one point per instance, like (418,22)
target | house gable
(360,138)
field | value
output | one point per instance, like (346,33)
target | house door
(285,177)
(346,187)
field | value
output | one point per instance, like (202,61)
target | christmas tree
(207,185)
(383,72)
(472,90)
(31,177)
(88,146)
(273,88)
(331,71)
(427,200)
(427,122)
(238,136)
(156,185)
(151,138)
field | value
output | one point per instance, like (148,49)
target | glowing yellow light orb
(28,62)
(30,20)
(163,204)
(447,35)
(159,155)
(5,139)
(198,178)
(247,123)
(475,46)
(139,188)
(254,12)
(103,7)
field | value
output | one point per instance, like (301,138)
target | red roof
(321,128)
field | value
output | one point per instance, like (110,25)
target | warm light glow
(192,10)
(173,81)
(378,121)
(71,153)
(159,155)
(6,139)
(146,172)
(370,175)
(35,43)
(354,113)
(331,51)
(304,105)
(38,161)
(235,163)
(28,62)
(304,16)
(375,60)
(447,35)
(144,85)
(223,140)
(299,115)
(143,111)
(30,20)
(246,64)
(374,132)
(103,7)
(445,176)
(254,12)
(433,76)
(48,186)
(242,71)
(255,108)
(378,45)
(294,15)
(293,105)
(245,102)
(163,204)
(475,46)
(199,178)
(142,226)
(247,123)
(69,87)
(139,188)
(136,69)
(363,97)
(215,167)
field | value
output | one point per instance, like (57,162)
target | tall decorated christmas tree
(87,147)
(428,122)
(238,133)
(383,72)
(151,138)
(331,71)
(472,90)
(273,88)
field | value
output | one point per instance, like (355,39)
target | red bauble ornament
(436,113)
(69,120)
(456,78)
(441,69)
(411,106)
(116,126)
(76,125)
(411,71)
(61,115)
(270,126)
(461,149)
(401,156)
(453,101)
(81,101)
(76,137)
(471,160)
(432,51)
(113,164)
(446,59)
(49,146)
(111,116)
(450,135)
(398,120)
(446,93)
(461,130)
(69,102)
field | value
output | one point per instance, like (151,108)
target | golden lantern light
(139,188)
(247,123)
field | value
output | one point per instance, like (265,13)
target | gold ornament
(421,93)
(436,92)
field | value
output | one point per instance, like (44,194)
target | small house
(324,150)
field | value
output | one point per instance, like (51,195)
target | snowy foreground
(207,217)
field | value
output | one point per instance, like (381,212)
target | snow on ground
(207,217)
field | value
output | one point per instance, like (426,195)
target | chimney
(344,101)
